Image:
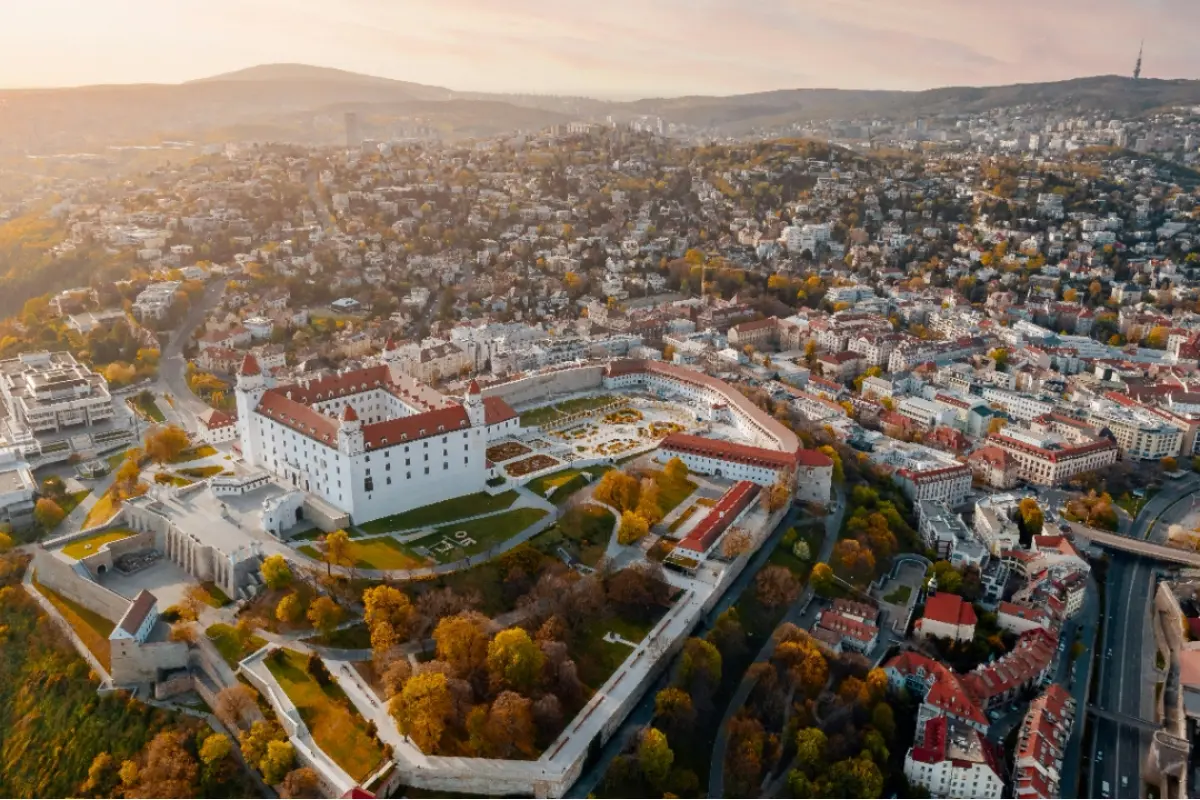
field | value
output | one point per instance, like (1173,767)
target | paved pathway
(716,773)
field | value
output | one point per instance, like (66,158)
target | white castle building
(371,442)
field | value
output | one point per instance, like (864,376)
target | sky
(602,48)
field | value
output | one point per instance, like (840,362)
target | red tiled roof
(299,417)
(732,503)
(949,609)
(349,414)
(213,419)
(438,422)
(496,410)
(250,365)
(743,454)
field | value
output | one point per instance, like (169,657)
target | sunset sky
(612,49)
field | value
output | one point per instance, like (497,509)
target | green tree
(699,666)
(514,660)
(810,749)
(655,757)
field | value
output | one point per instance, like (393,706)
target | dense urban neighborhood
(855,457)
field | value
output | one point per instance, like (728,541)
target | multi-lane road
(173,366)
(1125,655)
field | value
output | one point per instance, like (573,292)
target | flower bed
(506,451)
(660,430)
(532,464)
(624,416)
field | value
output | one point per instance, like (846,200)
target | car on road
(1104,792)
(1124,781)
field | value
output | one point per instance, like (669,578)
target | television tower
(1137,68)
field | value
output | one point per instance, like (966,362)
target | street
(172,367)
(1126,650)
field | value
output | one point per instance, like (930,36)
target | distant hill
(295,101)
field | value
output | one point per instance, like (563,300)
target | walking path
(716,773)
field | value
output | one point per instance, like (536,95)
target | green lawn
(149,410)
(91,545)
(215,597)
(195,453)
(70,501)
(562,484)
(92,628)
(200,473)
(569,407)
(224,638)
(540,416)
(899,595)
(486,532)
(336,726)
(114,460)
(455,508)
(597,659)
(584,532)
(383,552)
(671,493)
(356,637)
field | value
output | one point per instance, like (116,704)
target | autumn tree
(655,757)
(462,642)
(254,742)
(776,586)
(48,513)
(1030,518)
(278,762)
(699,667)
(509,726)
(810,749)
(779,493)
(102,777)
(633,527)
(301,783)
(735,543)
(619,490)
(514,660)
(389,616)
(276,572)
(233,704)
(728,634)
(648,507)
(675,470)
(673,707)
(337,549)
(422,709)
(169,769)
(324,614)
(821,578)
(164,444)
(1169,464)
(216,748)
(290,608)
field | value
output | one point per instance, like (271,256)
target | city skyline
(621,50)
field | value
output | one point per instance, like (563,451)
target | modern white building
(50,391)
(155,301)
(954,760)
(18,490)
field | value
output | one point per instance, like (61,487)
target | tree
(776,586)
(233,702)
(102,777)
(276,572)
(655,757)
(6,542)
(462,642)
(301,783)
(169,769)
(856,777)
(337,549)
(290,608)
(422,709)
(48,513)
(216,748)
(509,725)
(618,490)
(166,443)
(883,719)
(514,660)
(1169,464)
(253,742)
(676,471)
(999,357)
(674,707)
(633,527)
(648,507)
(821,578)
(324,614)
(389,616)
(1031,517)
(839,472)
(810,749)
(728,634)
(735,543)
(278,761)
(699,666)
(779,493)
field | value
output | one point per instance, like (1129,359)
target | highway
(1125,656)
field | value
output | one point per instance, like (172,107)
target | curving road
(172,368)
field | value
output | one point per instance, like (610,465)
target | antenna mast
(1137,68)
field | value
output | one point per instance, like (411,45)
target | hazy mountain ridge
(284,96)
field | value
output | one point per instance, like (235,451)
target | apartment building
(1050,461)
